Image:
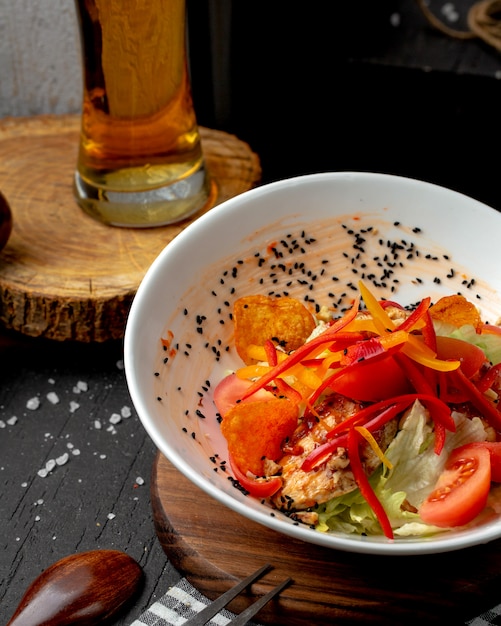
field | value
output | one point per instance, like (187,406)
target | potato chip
(255,430)
(456,310)
(286,321)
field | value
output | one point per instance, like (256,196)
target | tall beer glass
(140,159)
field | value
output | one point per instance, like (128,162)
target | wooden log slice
(64,275)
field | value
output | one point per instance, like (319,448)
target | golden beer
(140,160)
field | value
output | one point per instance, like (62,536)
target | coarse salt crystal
(125,412)
(61,460)
(120,364)
(37,518)
(82,385)
(12,420)
(111,516)
(139,481)
(33,403)
(50,465)
(75,452)
(115,418)
(52,397)
(42,473)
(74,406)
(97,425)
(2,424)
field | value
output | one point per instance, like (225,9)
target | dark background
(337,86)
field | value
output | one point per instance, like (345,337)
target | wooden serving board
(64,275)
(213,547)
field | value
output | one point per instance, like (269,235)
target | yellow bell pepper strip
(419,352)
(252,371)
(381,319)
(364,485)
(477,398)
(367,435)
(328,336)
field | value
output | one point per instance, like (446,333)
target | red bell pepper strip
(428,383)
(439,432)
(441,412)
(375,416)
(364,485)
(477,398)
(328,336)
(288,391)
(271,352)
(323,452)
(488,379)
(429,334)
(256,487)
(416,316)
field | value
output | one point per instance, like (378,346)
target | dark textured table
(361,93)
(67,406)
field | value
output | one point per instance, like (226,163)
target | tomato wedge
(462,489)
(230,390)
(451,349)
(372,380)
(494,448)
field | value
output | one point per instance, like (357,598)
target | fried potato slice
(456,310)
(255,430)
(286,321)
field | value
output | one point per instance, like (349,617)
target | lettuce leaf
(414,473)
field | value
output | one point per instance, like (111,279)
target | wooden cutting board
(213,547)
(63,275)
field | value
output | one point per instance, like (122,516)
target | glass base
(145,209)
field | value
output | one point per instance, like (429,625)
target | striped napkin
(179,604)
(183,601)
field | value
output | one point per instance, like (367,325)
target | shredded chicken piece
(302,490)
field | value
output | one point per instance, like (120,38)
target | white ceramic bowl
(307,230)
